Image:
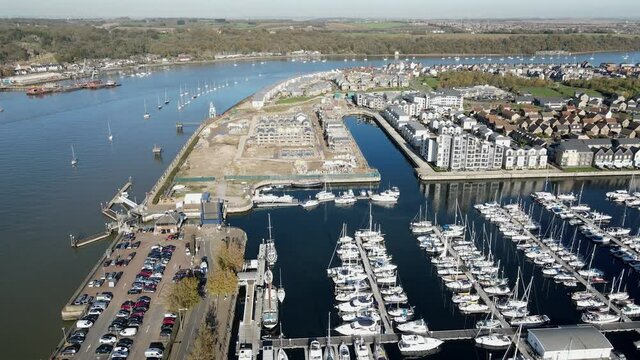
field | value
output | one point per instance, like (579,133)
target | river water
(44,200)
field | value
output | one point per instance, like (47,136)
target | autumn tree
(183,294)
(230,257)
(203,346)
(222,282)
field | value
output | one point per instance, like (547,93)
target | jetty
(568,267)
(382,309)
(251,323)
(119,198)
(445,335)
(483,295)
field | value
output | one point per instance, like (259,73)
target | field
(292,100)
(555,91)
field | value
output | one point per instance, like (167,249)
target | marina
(101,171)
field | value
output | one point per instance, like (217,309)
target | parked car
(126,342)
(129,331)
(154,352)
(84,324)
(77,340)
(104,349)
(104,296)
(108,339)
(71,349)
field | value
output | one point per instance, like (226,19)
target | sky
(401,9)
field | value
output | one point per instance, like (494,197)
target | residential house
(573,153)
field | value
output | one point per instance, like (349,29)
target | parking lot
(126,299)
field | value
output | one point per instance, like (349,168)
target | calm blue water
(44,199)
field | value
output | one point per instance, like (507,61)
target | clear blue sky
(321,8)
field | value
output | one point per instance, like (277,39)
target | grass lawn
(292,100)
(540,91)
(580,169)
(557,90)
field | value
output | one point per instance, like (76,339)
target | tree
(222,282)
(203,346)
(183,294)
(231,257)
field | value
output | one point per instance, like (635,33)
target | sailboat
(329,351)
(74,158)
(166,99)
(272,255)
(269,303)
(110,137)
(281,293)
(146,113)
(159,104)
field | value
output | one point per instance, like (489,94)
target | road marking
(148,326)
(88,347)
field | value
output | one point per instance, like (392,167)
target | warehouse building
(570,343)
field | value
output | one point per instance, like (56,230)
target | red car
(168,321)
(127,305)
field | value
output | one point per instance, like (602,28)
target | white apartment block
(396,116)
(531,158)
(293,131)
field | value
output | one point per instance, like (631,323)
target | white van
(153,353)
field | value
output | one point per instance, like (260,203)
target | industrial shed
(570,343)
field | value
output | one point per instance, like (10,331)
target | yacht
(270,308)
(315,351)
(343,352)
(325,195)
(146,113)
(282,355)
(473,308)
(420,225)
(347,198)
(361,349)
(599,318)
(110,137)
(488,324)
(416,327)
(398,311)
(631,310)
(384,197)
(493,341)
(379,353)
(360,327)
(530,321)
(74,158)
(311,203)
(415,344)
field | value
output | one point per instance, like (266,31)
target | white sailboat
(159,104)
(281,293)
(146,113)
(329,351)
(272,255)
(74,158)
(166,99)
(110,137)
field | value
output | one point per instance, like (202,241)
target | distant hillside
(77,40)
